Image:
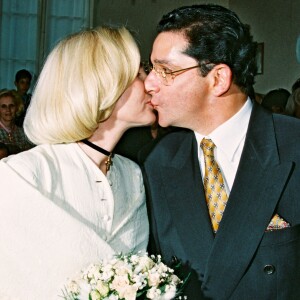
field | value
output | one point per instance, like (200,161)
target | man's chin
(163,124)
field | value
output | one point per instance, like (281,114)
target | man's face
(183,101)
(23,86)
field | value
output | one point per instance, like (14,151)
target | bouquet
(125,277)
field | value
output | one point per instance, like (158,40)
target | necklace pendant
(108,163)
(10,138)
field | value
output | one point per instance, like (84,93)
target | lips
(149,103)
(154,105)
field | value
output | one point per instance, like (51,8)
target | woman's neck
(106,136)
(7,125)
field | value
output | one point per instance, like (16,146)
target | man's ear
(222,79)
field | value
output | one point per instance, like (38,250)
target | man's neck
(220,113)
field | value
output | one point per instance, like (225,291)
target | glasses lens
(168,79)
(164,77)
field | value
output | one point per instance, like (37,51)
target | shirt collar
(228,136)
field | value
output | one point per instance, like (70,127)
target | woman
(75,201)
(11,134)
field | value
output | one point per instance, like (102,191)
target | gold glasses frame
(166,76)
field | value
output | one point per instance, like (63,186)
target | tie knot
(207,147)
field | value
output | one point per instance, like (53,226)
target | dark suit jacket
(242,261)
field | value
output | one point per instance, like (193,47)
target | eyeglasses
(167,76)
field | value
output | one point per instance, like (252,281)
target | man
(238,230)
(22,82)
(293,104)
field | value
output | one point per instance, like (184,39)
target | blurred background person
(293,104)
(23,82)
(276,100)
(3,150)
(12,135)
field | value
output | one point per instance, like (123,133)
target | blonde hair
(81,81)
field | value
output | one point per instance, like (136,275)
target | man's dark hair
(23,74)
(296,85)
(276,97)
(215,35)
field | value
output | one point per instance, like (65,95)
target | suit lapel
(259,181)
(188,205)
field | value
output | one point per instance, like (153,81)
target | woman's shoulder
(32,163)
(32,156)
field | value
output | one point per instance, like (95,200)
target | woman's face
(7,109)
(134,106)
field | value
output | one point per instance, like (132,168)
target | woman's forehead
(6,99)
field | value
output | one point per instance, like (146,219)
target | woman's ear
(222,79)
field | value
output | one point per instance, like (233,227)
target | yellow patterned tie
(214,186)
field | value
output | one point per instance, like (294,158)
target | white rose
(145,263)
(102,288)
(128,293)
(120,282)
(175,279)
(95,295)
(107,273)
(122,268)
(154,279)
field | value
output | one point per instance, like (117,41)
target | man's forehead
(168,47)
(24,79)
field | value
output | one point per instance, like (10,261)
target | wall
(139,15)
(276,23)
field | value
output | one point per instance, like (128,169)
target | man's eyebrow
(161,61)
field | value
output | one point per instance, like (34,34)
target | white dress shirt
(229,139)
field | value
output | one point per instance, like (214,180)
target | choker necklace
(108,162)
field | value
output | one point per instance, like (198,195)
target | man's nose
(152,83)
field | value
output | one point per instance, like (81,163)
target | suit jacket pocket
(277,237)
(274,271)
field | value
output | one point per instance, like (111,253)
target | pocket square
(277,223)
